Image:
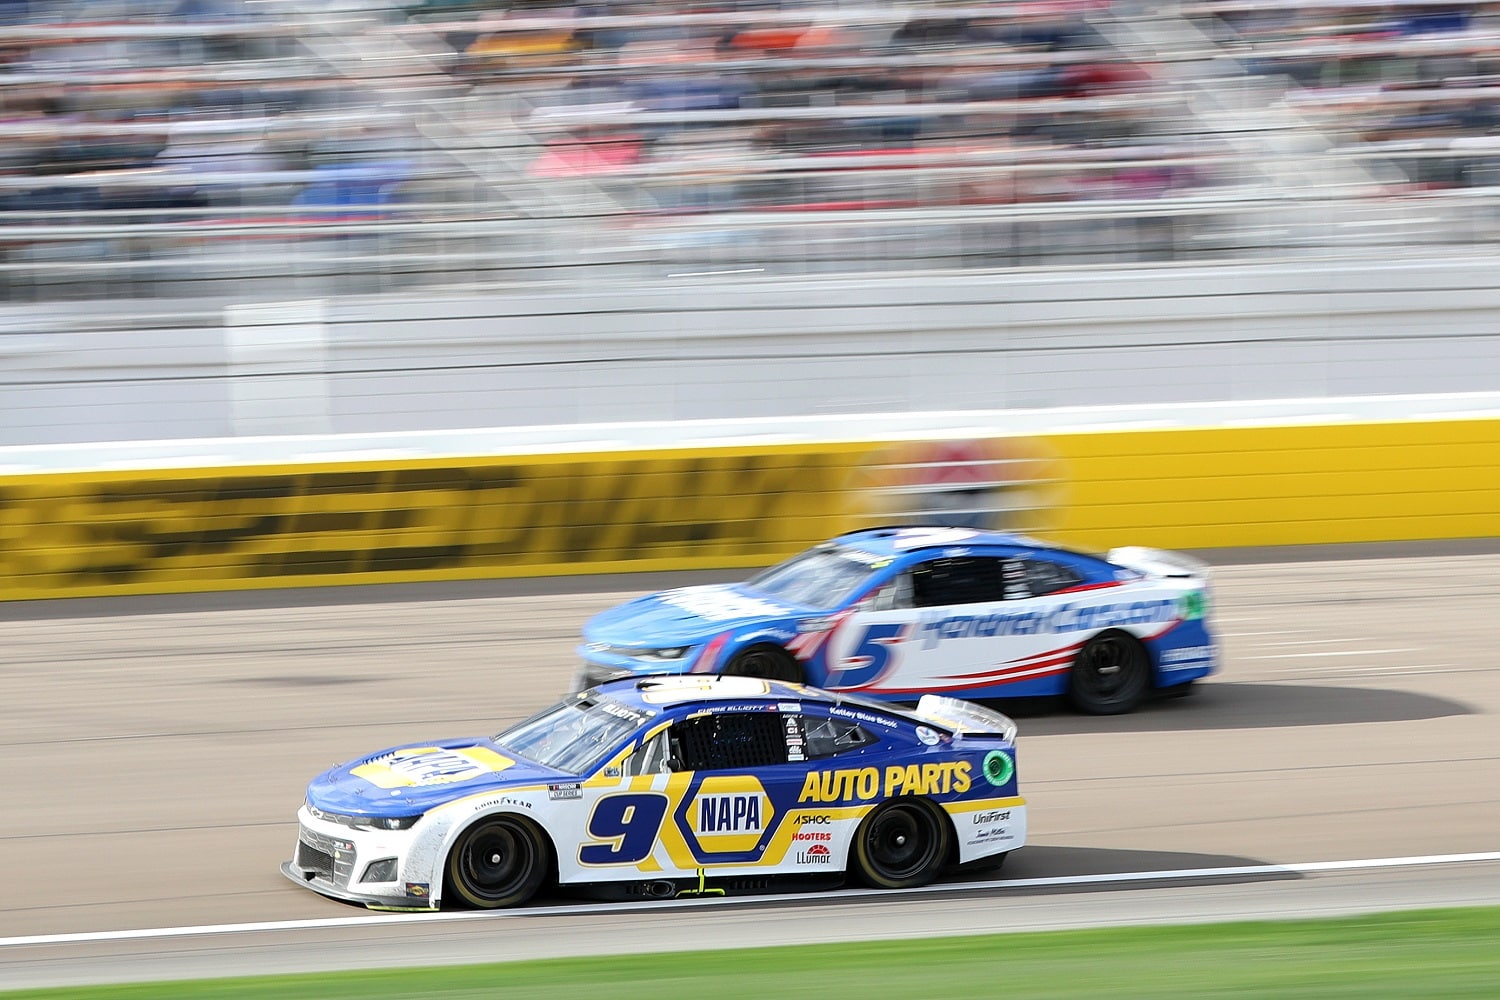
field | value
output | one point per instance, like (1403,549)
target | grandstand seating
(155,144)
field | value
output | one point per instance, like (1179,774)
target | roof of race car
(668,690)
(895,541)
(665,691)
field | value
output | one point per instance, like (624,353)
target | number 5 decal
(629,823)
(870,658)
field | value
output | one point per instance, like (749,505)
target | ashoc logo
(814,820)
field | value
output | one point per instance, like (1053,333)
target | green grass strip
(1423,953)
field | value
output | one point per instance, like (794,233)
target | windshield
(818,578)
(573,736)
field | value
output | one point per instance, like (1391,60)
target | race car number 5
(628,824)
(870,657)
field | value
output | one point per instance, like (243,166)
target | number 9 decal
(629,823)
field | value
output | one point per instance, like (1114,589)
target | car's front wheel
(1111,674)
(900,845)
(497,862)
(766,661)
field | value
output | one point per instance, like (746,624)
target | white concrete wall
(724,349)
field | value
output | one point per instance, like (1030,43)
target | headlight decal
(364,822)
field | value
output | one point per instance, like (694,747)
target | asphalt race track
(155,752)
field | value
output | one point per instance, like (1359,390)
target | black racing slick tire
(1111,675)
(499,861)
(902,844)
(765,661)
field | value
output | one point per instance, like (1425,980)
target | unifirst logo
(866,783)
(1064,618)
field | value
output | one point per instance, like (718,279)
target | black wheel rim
(1108,670)
(496,861)
(901,842)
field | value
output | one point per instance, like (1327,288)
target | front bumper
(334,861)
(304,877)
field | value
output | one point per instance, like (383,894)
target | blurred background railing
(246,255)
(166,148)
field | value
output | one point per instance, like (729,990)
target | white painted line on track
(327,923)
(1409,673)
(1317,642)
(1227,633)
(1329,652)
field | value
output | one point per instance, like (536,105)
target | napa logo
(419,766)
(728,815)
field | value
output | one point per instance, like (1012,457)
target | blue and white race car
(669,786)
(893,613)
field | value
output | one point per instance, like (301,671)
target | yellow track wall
(98,533)
(1227,487)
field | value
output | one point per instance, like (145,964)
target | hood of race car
(685,616)
(407,780)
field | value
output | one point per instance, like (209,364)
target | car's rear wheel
(902,844)
(766,661)
(497,862)
(1111,674)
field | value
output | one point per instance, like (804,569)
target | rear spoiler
(964,717)
(1159,562)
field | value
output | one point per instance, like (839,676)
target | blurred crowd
(287,111)
(1415,84)
(132,105)
(734,106)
